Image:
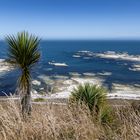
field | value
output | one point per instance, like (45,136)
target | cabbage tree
(23,52)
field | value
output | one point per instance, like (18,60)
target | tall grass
(94,97)
(53,122)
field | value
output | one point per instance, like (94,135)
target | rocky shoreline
(60,87)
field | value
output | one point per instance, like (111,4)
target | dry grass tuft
(53,122)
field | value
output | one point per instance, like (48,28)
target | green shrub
(91,95)
(39,100)
(94,97)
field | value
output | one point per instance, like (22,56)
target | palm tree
(23,52)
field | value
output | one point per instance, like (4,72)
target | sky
(71,19)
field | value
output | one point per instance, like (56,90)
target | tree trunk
(26,101)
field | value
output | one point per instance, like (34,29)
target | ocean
(118,58)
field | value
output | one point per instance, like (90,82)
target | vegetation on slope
(53,122)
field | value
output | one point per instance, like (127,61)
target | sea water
(81,57)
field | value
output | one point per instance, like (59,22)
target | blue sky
(72,19)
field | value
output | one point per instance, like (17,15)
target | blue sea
(63,51)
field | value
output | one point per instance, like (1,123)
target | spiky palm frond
(92,95)
(23,52)
(23,49)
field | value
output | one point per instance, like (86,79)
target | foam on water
(36,82)
(119,56)
(60,77)
(58,64)
(89,74)
(77,56)
(109,55)
(135,67)
(104,73)
(74,74)
(46,79)
(4,66)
